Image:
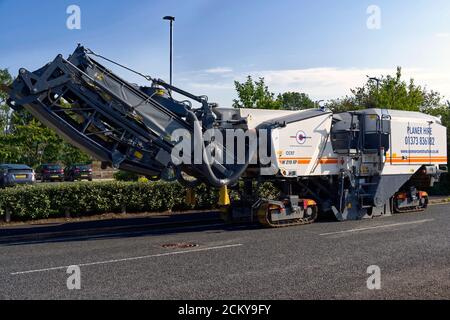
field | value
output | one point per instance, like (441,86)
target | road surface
(325,260)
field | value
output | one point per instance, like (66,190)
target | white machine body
(304,148)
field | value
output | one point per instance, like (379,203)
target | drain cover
(181,245)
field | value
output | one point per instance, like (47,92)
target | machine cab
(361,132)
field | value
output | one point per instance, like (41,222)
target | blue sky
(319,47)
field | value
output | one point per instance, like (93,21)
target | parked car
(78,172)
(50,172)
(13,174)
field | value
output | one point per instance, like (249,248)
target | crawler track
(264,218)
(419,208)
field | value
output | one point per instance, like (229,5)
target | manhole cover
(181,245)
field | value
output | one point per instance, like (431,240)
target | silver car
(14,174)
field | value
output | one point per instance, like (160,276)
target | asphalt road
(325,260)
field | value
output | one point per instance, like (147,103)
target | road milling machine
(355,165)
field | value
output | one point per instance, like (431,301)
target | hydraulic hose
(209,173)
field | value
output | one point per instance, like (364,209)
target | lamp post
(378,84)
(171,19)
(318,104)
(377,81)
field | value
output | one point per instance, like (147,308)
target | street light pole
(377,81)
(171,19)
(378,84)
(318,104)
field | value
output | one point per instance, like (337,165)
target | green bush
(125,176)
(82,198)
(87,198)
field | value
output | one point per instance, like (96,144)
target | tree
(391,93)
(443,112)
(295,101)
(72,155)
(23,139)
(255,95)
(30,142)
(5,112)
(343,104)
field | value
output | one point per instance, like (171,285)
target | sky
(322,48)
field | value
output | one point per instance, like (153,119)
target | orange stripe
(435,159)
(417,160)
(422,157)
(328,161)
(428,158)
(308,160)
(298,161)
(393,160)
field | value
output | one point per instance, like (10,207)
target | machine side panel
(415,143)
(303,148)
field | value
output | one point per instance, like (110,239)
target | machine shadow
(125,228)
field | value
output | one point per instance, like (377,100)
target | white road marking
(377,227)
(129,259)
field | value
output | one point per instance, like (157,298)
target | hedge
(125,176)
(82,198)
(42,201)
